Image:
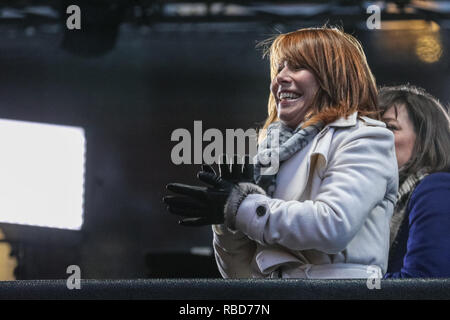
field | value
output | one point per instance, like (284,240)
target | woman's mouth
(287,98)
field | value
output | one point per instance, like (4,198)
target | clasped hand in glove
(199,205)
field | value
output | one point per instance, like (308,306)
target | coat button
(260,211)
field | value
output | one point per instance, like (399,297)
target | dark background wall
(129,101)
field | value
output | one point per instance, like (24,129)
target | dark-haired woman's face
(404,134)
(293,88)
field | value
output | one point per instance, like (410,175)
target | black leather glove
(198,205)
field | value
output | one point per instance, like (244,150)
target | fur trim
(236,197)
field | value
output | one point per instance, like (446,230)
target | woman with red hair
(323,209)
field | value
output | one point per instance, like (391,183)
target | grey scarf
(404,194)
(281,143)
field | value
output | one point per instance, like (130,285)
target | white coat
(329,216)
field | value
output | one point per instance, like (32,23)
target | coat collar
(350,121)
(322,143)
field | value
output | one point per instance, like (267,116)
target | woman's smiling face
(293,88)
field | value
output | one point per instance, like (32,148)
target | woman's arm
(361,170)
(234,252)
(428,245)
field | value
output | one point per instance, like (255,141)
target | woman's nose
(283,76)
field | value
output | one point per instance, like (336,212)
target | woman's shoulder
(370,136)
(437,183)
(370,146)
(431,196)
(439,178)
(363,127)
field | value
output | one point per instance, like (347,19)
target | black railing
(219,289)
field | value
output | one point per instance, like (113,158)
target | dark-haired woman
(420,226)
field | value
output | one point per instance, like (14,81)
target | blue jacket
(423,249)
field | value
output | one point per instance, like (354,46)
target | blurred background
(113,93)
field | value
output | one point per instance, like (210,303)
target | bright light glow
(412,36)
(429,48)
(419,25)
(41,174)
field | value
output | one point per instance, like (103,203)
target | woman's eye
(391,127)
(295,66)
(290,67)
